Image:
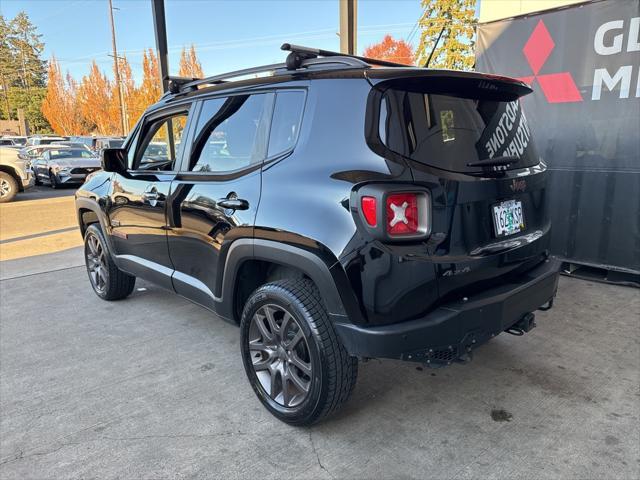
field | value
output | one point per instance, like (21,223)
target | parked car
(102,143)
(69,143)
(17,139)
(15,175)
(65,165)
(44,140)
(352,213)
(89,141)
(33,153)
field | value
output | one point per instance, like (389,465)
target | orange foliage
(95,100)
(391,50)
(94,107)
(59,106)
(189,64)
(150,90)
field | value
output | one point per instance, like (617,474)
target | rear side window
(231,134)
(285,125)
(450,132)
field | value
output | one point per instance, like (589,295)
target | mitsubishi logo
(557,87)
(399,214)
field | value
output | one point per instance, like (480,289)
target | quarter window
(231,134)
(285,125)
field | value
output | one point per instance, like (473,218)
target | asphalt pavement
(153,387)
(39,192)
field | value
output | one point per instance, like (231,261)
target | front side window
(162,144)
(231,134)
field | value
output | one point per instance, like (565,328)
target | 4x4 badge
(518,185)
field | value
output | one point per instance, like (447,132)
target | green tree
(30,101)
(27,46)
(8,64)
(22,71)
(454,21)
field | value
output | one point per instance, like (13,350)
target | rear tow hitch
(524,325)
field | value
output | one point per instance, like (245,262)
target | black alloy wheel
(280,355)
(96,264)
(292,356)
(53,180)
(107,280)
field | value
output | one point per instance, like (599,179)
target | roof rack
(306,53)
(298,57)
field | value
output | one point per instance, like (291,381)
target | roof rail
(298,57)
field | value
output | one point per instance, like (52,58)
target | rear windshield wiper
(494,162)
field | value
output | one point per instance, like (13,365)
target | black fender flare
(85,203)
(331,280)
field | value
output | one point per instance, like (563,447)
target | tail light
(391,212)
(402,214)
(369,210)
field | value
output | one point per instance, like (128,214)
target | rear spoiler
(449,82)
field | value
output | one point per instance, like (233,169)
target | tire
(8,187)
(36,180)
(53,180)
(107,280)
(329,372)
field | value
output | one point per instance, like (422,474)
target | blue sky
(228,34)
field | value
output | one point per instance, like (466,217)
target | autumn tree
(150,89)
(128,87)
(59,105)
(454,22)
(391,50)
(189,64)
(95,100)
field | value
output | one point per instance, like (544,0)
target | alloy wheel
(280,355)
(96,263)
(5,188)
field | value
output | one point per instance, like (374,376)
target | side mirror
(114,160)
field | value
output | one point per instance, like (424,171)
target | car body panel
(19,168)
(301,213)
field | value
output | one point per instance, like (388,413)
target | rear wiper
(494,162)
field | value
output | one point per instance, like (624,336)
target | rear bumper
(453,330)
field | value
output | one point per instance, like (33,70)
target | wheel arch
(253,262)
(89,212)
(14,174)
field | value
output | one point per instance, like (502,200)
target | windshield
(70,153)
(450,132)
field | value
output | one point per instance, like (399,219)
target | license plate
(508,218)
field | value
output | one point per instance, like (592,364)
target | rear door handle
(233,203)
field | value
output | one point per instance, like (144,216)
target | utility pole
(117,70)
(348,26)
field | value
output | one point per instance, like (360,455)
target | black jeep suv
(335,211)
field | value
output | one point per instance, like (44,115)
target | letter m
(622,76)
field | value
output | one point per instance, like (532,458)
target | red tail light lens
(402,214)
(369,210)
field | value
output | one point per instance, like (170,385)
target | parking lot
(153,386)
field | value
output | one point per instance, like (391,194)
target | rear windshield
(450,132)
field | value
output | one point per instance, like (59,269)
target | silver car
(15,175)
(65,165)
